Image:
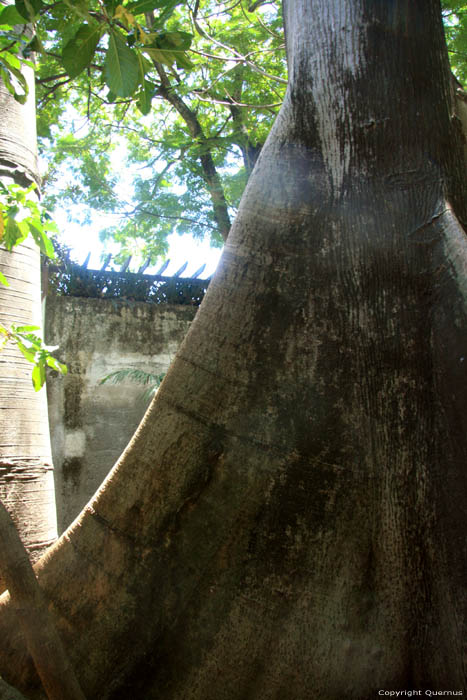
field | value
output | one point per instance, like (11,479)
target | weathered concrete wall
(91,423)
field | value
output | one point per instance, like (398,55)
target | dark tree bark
(287,523)
(250,152)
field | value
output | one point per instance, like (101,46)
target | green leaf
(141,6)
(184,62)
(78,52)
(3,280)
(35,45)
(121,66)
(6,77)
(11,59)
(38,376)
(42,240)
(145,96)
(56,365)
(9,69)
(28,9)
(20,97)
(178,40)
(28,353)
(26,329)
(13,234)
(10,15)
(166,57)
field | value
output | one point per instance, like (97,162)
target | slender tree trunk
(26,476)
(287,521)
(250,152)
(209,172)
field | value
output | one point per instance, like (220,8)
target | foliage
(227,81)
(34,350)
(13,42)
(21,216)
(455,25)
(140,376)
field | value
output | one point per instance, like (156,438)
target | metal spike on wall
(125,265)
(198,272)
(106,262)
(182,269)
(144,266)
(163,267)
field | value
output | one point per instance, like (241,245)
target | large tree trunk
(287,521)
(26,476)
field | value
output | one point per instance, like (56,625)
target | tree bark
(287,521)
(52,664)
(249,151)
(26,473)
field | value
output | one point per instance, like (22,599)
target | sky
(84,239)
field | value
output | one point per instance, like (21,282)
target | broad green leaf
(42,240)
(20,97)
(141,6)
(8,71)
(28,353)
(38,376)
(78,53)
(145,96)
(56,365)
(176,40)
(184,62)
(35,45)
(28,9)
(23,227)
(161,56)
(121,66)
(169,48)
(27,329)
(13,234)
(3,280)
(10,15)
(11,59)
(6,78)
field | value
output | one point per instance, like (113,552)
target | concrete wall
(91,423)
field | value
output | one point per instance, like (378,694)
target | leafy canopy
(139,158)
(455,25)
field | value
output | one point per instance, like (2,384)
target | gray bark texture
(26,477)
(288,521)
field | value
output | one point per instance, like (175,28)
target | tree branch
(210,174)
(236,55)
